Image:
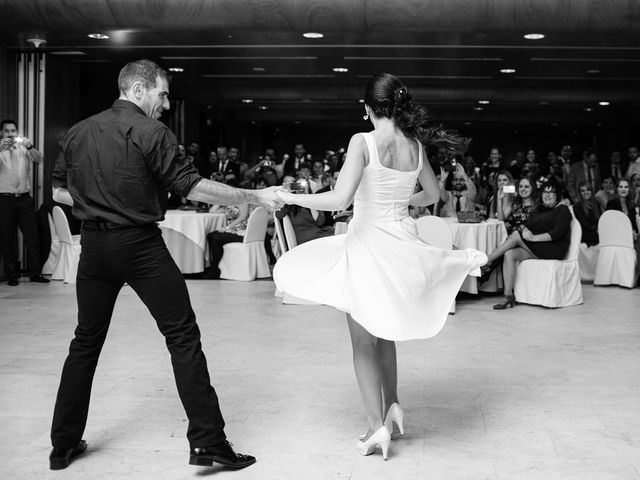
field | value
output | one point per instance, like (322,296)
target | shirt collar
(127,105)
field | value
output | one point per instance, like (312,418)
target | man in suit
(564,159)
(224,166)
(587,170)
(614,168)
(290,165)
(634,161)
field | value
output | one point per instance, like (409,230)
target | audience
(457,192)
(624,203)
(587,211)
(523,205)
(585,171)
(500,203)
(607,192)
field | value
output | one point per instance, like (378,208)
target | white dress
(391,282)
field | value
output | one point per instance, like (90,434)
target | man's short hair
(144,71)
(7,121)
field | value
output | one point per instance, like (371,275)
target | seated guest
(585,171)
(614,168)
(607,192)
(546,235)
(587,211)
(457,192)
(315,181)
(307,224)
(500,202)
(623,203)
(531,167)
(634,187)
(524,204)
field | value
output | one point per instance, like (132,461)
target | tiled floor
(528,393)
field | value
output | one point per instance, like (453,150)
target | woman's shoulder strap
(371,147)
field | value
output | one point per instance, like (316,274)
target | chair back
(257,225)
(435,231)
(576,238)
(280,234)
(52,229)
(61,225)
(614,229)
(289,232)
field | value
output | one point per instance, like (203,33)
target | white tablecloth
(483,236)
(185,233)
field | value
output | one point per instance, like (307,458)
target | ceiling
(448,52)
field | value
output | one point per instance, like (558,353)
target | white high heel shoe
(394,415)
(381,437)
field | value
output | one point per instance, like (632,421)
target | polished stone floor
(529,393)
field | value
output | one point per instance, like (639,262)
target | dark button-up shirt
(119,164)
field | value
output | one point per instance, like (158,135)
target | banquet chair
(289,232)
(587,261)
(248,260)
(54,251)
(436,232)
(617,260)
(66,266)
(552,283)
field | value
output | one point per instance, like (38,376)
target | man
(225,166)
(290,166)
(565,161)
(634,161)
(457,192)
(115,168)
(193,156)
(615,168)
(16,204)
(587,170)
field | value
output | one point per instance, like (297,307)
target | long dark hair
(388,97)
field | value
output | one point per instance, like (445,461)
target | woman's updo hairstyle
(388,97)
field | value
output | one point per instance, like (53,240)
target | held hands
(286,196)
(270,198)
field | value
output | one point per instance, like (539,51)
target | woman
(381,256)
(523,205)
(607,192)
(315,181)
(635,188)
(531,168)
(587,211)
(500,203)
(546,235)
(623,202)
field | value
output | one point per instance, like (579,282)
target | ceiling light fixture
(175,69)
(588,109)
(604,104)
(361,100)
(98,36)
(478,108)
(593,71)
(36,42)
(534,36)
(247,100)
(484,102)
(507,70)
(312,35)
(340,69)
(263,107)
(258,69)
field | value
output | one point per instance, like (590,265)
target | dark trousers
(138,256)
(18,212)
(216,242)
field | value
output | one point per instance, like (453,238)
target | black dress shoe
(221,453)
(60,458)
(13,282)
(39,279)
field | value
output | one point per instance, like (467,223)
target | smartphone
(509,189)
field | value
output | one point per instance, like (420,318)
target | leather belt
(94,225)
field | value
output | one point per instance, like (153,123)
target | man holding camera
(16,204)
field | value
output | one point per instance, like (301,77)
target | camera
(268,163)
(299,186)
(449,165)
(509,189)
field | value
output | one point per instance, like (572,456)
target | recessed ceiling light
(604,104)
(543,102)
(588,109)
(312,35)
(98,36)
(263,107)
(340,69)
(247,100)
(258,69)
(478,108)
(554,124)
(484,102)
(361,100)
(534,36)
(593,71)
(296,122)
(175,69)
(507,70)
(467,123)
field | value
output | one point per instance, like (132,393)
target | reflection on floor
(518,394)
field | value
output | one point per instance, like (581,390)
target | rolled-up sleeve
(175,175)
(562,223)
(59,176)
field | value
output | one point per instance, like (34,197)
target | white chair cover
(248,260)
(587,260)
(66,267)
(437,233)
(552,283)
(47,268)
(617,260)
(289,232)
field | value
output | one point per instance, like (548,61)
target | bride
(391,285)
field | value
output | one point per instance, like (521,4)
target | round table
(484,236)
(185,233)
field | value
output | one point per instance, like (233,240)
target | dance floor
(517,394)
